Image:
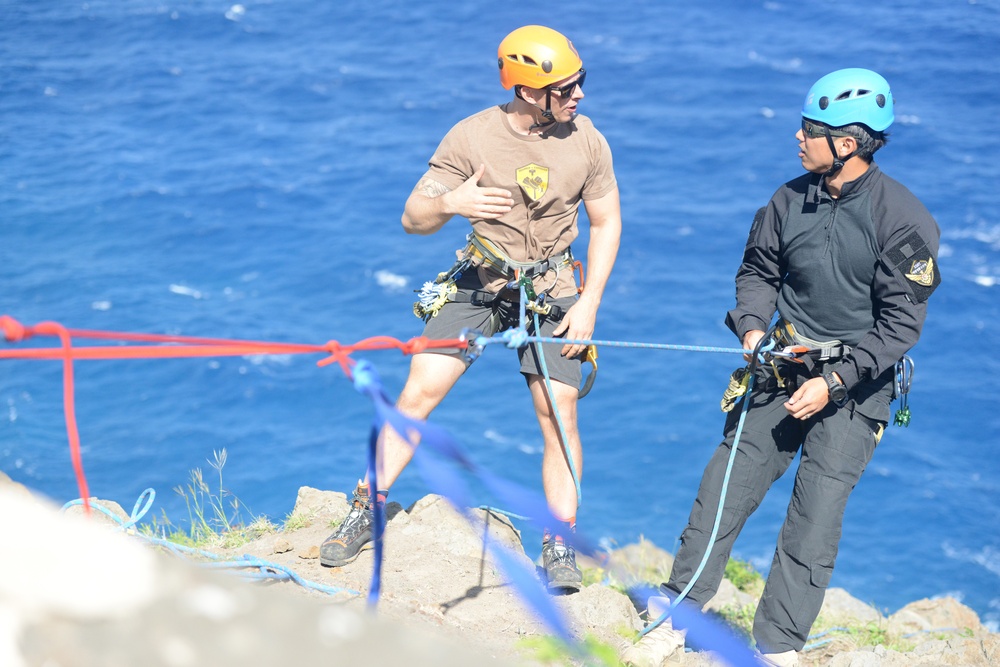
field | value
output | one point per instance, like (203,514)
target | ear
(846,145)
(532,95)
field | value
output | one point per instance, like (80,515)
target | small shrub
(743,575)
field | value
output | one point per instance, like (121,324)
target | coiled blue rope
(266,569)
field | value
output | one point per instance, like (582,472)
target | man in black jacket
(847,258)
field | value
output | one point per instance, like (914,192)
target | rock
(73,568)
(10,486)
(118,602)
(312,502)
(641,562)
(942,614)
(445,598)
(729,596)
(840,607)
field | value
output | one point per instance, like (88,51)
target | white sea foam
(390,281)
(187,291)
(988,557)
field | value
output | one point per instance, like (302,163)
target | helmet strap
(546,112)
(547,118)
(838,162)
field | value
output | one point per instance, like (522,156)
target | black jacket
(858,268)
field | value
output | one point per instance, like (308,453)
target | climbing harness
(904,378)
(483,251)
(433,295)
(803,349)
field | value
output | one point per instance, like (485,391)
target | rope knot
(336,354)
(415,345)
(516,337)
(13,330)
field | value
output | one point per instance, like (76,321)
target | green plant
(215,517)
(743,575)
(295,522)
(739,618)
(856,635)
(549,650)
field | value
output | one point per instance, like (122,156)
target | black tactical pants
(836,447)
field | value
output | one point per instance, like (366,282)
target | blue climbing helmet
(849,96)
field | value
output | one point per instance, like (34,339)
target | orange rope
(175,347)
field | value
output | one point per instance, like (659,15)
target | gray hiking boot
(352,536)
(559,560)
(785,659)
(661,645)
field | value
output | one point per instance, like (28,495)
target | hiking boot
(352,536)
(559,560)
(784,659)
(659,643)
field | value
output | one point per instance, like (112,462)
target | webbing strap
(483,249)
(830,350)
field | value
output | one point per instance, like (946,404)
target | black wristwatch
(838,392)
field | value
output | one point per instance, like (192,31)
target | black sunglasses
(567,89)
(817,130)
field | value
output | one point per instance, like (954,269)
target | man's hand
(809,399)
(471,201)
(750,340)
(578,323)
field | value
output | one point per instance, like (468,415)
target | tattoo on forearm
(430,188)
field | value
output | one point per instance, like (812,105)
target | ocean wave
(988,557)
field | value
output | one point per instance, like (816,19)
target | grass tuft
(215,517)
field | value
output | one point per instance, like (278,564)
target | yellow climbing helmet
(536,56)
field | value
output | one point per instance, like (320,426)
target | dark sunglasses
(567,89)
(817,130)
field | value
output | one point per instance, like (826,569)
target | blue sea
(238,171)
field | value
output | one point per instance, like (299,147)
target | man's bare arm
(432,204)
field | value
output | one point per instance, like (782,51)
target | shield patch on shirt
(911,259)
(534,180)
(922,272)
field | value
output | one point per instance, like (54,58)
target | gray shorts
(499,316)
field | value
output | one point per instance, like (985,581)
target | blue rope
(506,339)
(267,569)
(765,343)
(555,411)
(718,515)
(497,510)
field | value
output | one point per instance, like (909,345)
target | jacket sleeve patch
(912,260)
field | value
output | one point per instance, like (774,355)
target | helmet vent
(846,95)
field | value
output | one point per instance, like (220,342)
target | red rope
(175,347)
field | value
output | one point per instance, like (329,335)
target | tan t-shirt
(547,174)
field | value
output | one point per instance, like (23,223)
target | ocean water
(238,171)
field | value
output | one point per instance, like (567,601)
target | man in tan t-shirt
(518,173)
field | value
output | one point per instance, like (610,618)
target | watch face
(838,392)
(839,396)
